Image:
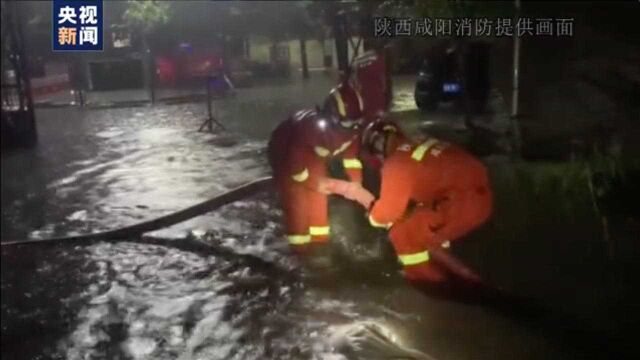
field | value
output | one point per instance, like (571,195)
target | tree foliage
(146,15)
(446,8)
(276,20)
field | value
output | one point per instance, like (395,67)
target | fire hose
(204,207)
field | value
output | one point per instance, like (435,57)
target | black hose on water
(204,207)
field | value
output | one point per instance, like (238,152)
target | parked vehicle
(453,72)
(187,64)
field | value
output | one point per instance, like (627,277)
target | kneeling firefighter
(431,193)
(300,149)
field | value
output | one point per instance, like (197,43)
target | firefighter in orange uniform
(431,193)
(372,81)
(299,152)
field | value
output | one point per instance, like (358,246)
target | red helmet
(375,137)
(345,105)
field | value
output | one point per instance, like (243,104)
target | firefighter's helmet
(344,106)
(377,136)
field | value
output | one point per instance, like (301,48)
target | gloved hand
(327,186)
(349,190)
(333,186)
(359,194)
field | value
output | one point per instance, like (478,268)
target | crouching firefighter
(431,193)
(300,149)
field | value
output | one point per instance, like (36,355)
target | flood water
(242,295)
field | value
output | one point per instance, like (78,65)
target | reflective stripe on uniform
(377,224)
(365,57)
(342,148)
(303,113)
(322,152)
(347,124)
(414,259)
(420,151)
(299,239)
(351,164)
(301,176)
(318,230)
(341,109)
(389,128)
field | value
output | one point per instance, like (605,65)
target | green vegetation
(144,17)
(447,8)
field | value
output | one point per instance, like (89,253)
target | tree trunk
(272,52)
(342,45)
(327,51)
(303,57)
(386,51)
(515,111)
(246,47)
(150,69)
(22,76)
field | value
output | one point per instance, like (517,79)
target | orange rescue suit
(373,83)
(299,152)
(431,193)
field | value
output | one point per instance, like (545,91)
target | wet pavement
(243,296)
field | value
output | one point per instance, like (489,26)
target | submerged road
(96,170)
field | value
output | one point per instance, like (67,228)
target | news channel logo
(77,25)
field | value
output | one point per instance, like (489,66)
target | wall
(259,51)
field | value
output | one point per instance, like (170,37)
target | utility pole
(516,67)
(26,76)
(303,56)
(515,111)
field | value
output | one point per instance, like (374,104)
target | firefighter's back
(281,138)
(442,168)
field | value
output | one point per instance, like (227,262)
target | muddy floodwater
(223,285)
